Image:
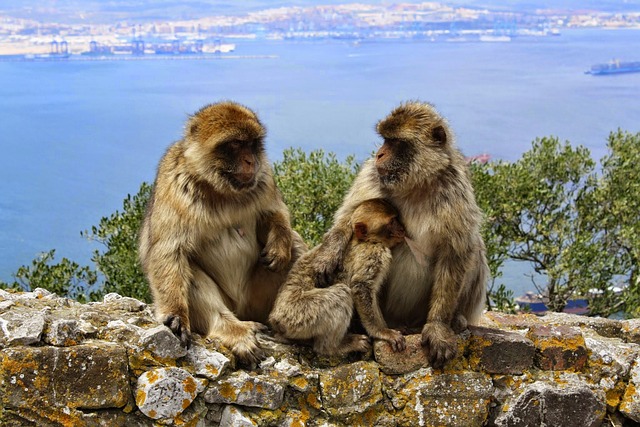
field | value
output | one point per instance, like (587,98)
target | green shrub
(577,226)
(313,186)
(118,262)
(65,278)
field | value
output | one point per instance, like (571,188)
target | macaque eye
(234,144)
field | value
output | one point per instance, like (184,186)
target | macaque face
(227,145)
(240,161)
(416,145)
(393,160)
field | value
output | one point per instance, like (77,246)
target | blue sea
(77,136)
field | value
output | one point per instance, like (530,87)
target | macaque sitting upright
(216,242)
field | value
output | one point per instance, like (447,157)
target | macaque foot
(179,327)
(257,326)
(395,339)
(349,344)
(440,341)
(241,338)
(280,338)
(355,342)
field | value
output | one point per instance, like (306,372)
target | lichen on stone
(111,363)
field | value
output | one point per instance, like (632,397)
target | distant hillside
(97,11)
(532,5)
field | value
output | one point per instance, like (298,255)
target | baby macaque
(304,312)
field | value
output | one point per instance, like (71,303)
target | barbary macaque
(216,243)
(304,312)
(436,282)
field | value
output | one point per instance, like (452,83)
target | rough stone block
(412,358)
(631,330)
(287,366)
(570,405)
(6,304)
(87,376)
(166,392)
(41,293)
(558,348)
(425,398)
(606,327)
(115,301)
(121,332)
(206,363)
(351,388)
(510,321)
(46,416)
(610,361)
(234,417)
(241,388)
(63,333)
(6,296)
(21,327)
(490,382)
(630,404)
(162,343)
(499,352)
(294,419)
(193,416)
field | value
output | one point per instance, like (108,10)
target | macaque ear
(360,229)
(192,127)
(439,134)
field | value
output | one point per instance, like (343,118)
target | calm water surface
(78,136)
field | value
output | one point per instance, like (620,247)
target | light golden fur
(304,312)
(440,287)
(216,243)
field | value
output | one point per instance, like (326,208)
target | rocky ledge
(110,364)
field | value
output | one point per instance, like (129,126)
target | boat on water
(614,67)
(46,56)
(478,158)
(535,304)
(494,39)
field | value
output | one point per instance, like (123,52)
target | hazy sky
(230,7)
(112,11)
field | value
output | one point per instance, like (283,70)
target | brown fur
(323,315)
(216,243)
(438,284)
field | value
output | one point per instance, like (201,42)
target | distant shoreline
(73,57)
(79,45)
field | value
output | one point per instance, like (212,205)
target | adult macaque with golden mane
(216,243)
(437,282)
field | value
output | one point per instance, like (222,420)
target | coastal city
(24,37)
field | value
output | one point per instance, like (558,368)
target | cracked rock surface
(110,363)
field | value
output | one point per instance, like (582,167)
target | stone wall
(110,364)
